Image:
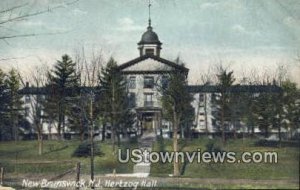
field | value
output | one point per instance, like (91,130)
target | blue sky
(246,34)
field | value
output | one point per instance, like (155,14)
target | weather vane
(149,6)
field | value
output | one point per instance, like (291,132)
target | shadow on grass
(52,149)
(274,143)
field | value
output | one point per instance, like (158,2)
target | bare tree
(89,67)
(19,13)
(38,78)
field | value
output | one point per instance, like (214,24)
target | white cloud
(238,28)
(127,24)
(209,5)
(29,23)
(242,30)
(291,22)
(78,12)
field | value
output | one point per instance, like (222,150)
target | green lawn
(22,157)
(286,168)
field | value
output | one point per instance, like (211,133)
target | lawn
(22,158)
(286,168)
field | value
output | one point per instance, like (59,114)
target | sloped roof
(235,89)
(156,58)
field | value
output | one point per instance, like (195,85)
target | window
(132,100)
(148,82)
(132,82)
(27,99)
(26,111)
(148,102)
(201,97)
(165,82)
(149,51)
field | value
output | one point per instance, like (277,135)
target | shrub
(84,150)
(210,147)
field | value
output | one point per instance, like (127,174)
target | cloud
(78,12)
(29,23)
(242,30)
(238,28)
(209,5)
(127,24)
(291,22)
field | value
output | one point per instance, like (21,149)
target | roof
(191,89)
(156,58)
(149,37)
(235,88)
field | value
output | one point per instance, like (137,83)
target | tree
(4,97)
(113,103)
(18,13)
(225,81)
(38,79)
(14,102)
(78,117)
(291,99)
(176,102)
(64,84)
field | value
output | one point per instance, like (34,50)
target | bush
(84,150)
(266,143)
(210,147)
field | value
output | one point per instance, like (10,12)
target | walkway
(142,169)
(145,143)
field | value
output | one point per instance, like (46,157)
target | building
(145,75)
(149,72)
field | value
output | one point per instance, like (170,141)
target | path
(142,169)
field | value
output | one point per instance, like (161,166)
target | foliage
(4,97)
(114,105)
(291,105)
(63,84)
(225,81)
(84,150)
(176,102)
(14,102)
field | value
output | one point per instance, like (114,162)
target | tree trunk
(40,143)
(175,145)
(59,127)
(266,131)
(103,132)
(205,114)
(81,130)
(222,123)
(63,127)
(118,138)
(113,136)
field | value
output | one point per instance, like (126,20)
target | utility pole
(92,139)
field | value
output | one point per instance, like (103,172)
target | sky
(253,36)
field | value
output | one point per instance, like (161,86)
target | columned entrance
(149,120)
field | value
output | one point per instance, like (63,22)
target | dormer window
(149,51)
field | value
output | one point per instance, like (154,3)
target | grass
(22,158)
(286,168)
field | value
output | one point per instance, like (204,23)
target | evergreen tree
(176,102)
(291,105)
(225,81)
(113,102)
(4,97)
(63,84)
(14,102)
(78,116)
